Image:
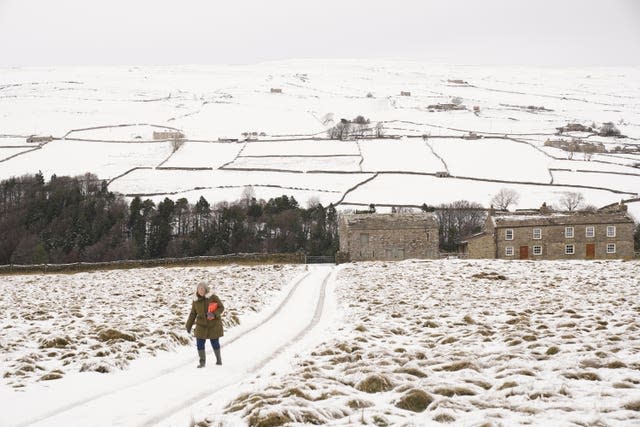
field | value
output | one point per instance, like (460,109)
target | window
(569,249)
(611,231)
(590,231)
(537,250)
(508,234)
(508,251)
(537,233)
(568,232)
(364,239)
(611,248)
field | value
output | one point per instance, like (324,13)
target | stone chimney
(622,207)
(491,211)
(544,209)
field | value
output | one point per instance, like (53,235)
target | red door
(591,250)
(524,252)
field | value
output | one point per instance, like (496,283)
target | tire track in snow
(186,403)
(162,372)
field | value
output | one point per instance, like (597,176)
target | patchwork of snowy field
(102,120)
(62,324)
(447,190)
(468,343)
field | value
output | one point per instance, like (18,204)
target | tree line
(71,219)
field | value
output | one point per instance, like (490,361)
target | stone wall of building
(388,236)
(553,242)
(481,247)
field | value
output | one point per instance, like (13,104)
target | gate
(321,259)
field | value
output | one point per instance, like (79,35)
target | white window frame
(567,247)
(569,232)
(611,231)
(590,228)
(537,233)
(539,250)
(611,248)
(508,231)
(509,251)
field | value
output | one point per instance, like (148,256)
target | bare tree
(505,198)
(248,193)
(571,200)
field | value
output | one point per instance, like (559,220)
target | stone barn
(386,237)
(543,234)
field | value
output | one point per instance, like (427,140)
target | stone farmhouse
(386,237)
(543,234)
(167,134)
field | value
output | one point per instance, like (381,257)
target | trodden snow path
(167,389)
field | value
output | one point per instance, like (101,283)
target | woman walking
(206,310)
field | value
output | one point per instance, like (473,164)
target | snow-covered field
(417,342)
(59,324)
(524,106)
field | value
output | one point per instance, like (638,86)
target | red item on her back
(213,306)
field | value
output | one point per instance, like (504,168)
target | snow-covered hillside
(238,133)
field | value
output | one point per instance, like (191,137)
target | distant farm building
(574,127)
(445,107)
(167,134)
(457,81)
(476,108)
(471,135)
(276,90)
(395,236)
(38,139)
(405,93)
(442,174)
(543,234)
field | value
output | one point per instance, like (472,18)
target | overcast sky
(145,32)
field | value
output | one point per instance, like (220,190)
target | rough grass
(458,366)
(113,334)
(633,406)
(589,376)
(414,400)
(375,384)
(552,350)
(454,391)
(55,342)
(269,419)
(444,418)
(411,371)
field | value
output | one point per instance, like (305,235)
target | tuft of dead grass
(633,406)
(55,342)
(113,334)
(359,404)
(411,371)
(458,366)
(269,419)
(444,418)
(454,391)
(552,350)
(375,383)
(414,400)
(589,376)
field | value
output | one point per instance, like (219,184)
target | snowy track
(170,386)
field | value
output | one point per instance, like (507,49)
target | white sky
(149,32)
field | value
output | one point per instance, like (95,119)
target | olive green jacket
(205,329)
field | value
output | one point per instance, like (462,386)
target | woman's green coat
(205,329)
